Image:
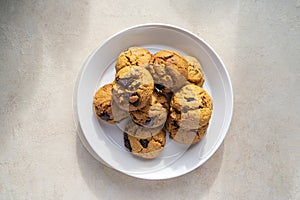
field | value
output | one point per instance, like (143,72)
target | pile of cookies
(155,93)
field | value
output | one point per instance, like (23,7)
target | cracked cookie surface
(149,147)
(133,56)
(104,106)
(190,112)
(133,88)
(139,131)
(195,72)
(169,69)
(154,114)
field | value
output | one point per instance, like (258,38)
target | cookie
(169,69)
(154,114)
(118,113)
(133,88)
(189,136)
(148,148)
(141,132)
(190,112)
(133,56)
(103,107)
(195,72)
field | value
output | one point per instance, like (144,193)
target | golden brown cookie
(139,131)
(189,136)
(190,112)
(133,88)
(154,114)
(103,106)
(169,69)
(148,148)
(195,72)
(133,56)
(118,113)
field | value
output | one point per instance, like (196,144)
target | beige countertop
(43,45)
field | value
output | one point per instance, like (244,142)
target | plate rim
(155,25)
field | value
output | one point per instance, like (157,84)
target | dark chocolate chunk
(144,142)
(184,109)
(125,82)
(190,99)
(105,116)
(149,122)
(135,96)
(137,85)
(127,142)
(134,87)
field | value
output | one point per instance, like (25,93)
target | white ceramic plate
(106,141)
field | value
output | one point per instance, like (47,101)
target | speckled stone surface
(43,45)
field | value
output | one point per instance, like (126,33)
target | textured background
(43,45)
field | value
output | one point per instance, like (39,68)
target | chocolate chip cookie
(169,69)
(190,112)
(195,72)
(189,136)
(154,114)
(133,56)
(133,88)
(103,106)
(139,131)
(146,148)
